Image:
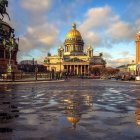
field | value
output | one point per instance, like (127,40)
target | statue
(3,5)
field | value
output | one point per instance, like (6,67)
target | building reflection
(137,113)
(137,116)
(75,107)
(8,110)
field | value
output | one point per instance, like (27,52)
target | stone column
(76,69)
(71,48)
(67,68)
(70,68)
(81,69)
(66,49)
(84,69)
(88,69)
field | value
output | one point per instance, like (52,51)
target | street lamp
(60,62)
(36,71)
(60,53)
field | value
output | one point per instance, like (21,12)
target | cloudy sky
(109,26)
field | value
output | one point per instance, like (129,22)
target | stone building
(72,58)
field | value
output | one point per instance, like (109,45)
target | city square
(69,70)
(76,109)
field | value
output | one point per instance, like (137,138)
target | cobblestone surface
(78,109)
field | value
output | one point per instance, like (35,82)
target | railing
(30,76)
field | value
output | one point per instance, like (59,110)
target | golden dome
(73,120)
(73,33)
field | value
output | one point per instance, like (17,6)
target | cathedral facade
(72,58)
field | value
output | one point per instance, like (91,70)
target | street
(77,109)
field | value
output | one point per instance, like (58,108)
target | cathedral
(72,58)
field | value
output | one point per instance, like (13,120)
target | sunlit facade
(72,57)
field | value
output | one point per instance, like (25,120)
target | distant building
(28,62)
(123,68)
(129,68)
(132,69)
(72,58)
(31,66)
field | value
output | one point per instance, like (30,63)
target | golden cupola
(73,33)
(74,43)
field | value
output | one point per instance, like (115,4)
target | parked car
(132,77)
(94,77)
(137,78)
(83,77)
(118,77)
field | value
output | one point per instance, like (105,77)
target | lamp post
(60,63)
(9,68)
(36,71)
(60,54)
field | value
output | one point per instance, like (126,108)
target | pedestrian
(66,76)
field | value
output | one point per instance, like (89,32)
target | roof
(73,33)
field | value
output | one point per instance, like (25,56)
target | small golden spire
(138,32)
(73,26)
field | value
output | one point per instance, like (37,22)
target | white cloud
(97,21)
(46,34)
(104,28)
(120,31)
(36,5)
(94,38)
(125,53)
(107,55)
(120,61)
(39,36)
(96,17)
(137,25)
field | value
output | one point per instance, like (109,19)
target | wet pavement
(78,109)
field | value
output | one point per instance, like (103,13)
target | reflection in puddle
(65,111)
(74,108)
(137,114)
(5,130)
(8,111)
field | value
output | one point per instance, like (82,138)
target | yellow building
(138,48)
(72,58)
(132,69)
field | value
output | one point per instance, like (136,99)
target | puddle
(78,109)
